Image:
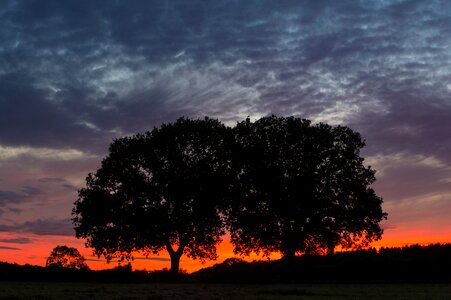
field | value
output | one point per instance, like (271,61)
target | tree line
(409,264)
(277,184)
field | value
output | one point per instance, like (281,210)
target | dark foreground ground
(42,290)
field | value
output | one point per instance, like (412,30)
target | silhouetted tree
(301,188)
(158,191)
(66,257)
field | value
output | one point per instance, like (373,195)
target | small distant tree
(301,188)
(158,191)
(66,257)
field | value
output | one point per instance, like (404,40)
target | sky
(76,74)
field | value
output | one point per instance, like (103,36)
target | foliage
(301,188)
(388,265)
(66,257)
(158,191)
(281,184)
(410,264)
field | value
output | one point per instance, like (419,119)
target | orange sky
(35,253)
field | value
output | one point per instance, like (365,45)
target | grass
(93,291)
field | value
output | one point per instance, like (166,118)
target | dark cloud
(9,248)
(11,196)
(152,258)
(414,177)
(21,195)
(51,180)
(414,124)
(14,210)
(57,181)
(100,70)
(21,240)
(45,193)
(49,226)
(29,117)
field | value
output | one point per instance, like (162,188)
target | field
(92,291)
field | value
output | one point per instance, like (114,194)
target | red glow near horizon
(36,253)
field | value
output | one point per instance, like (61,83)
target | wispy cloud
(153,258)
(9,248)
(50,226)
(7,153)
(21,240)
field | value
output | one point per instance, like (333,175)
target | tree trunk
(288,250)
(175,262)
(289,256)
(175,257)
(331,250)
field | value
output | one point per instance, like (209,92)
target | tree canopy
(158,191)
(66,257)
(277,185)
(301,188)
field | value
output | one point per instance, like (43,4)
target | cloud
(8,248)
(22,195)
(7,153)
(139,65)
(49,226)
(403,177)
(153,258)
(414,123)
(22,240)
(11,196)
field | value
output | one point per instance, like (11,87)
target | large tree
(158,191)
(301,188)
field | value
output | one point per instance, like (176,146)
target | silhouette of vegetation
(66,257)
(410,264)
(277,184)
(158,191)
(300,188)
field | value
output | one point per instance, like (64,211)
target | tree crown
(66,257)
(301,188)
(158,191)
(277,184)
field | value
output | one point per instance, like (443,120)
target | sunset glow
(36,253)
